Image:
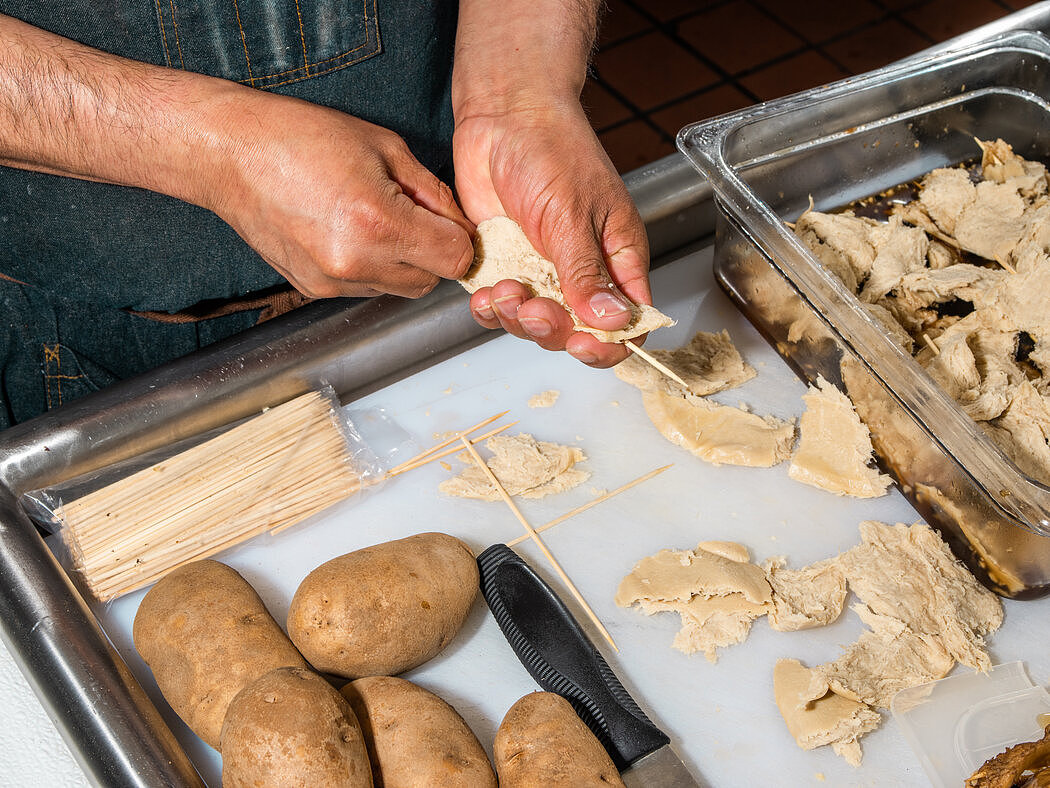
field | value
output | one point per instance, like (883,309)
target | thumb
(585,281)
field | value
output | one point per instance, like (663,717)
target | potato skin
(384,609)
(541,743)
(414,738)
(292,729)
(206,634)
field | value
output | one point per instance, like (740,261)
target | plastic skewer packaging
(125,526)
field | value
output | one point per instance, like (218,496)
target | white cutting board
(721,718)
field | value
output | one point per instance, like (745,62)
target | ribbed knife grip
(557,653)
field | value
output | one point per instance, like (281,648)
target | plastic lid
(956,724)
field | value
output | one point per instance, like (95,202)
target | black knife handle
(557,653)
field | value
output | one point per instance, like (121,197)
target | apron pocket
(267,43)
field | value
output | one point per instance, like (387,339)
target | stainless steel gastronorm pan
(850,140)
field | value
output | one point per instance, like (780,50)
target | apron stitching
(318,63)
(163,34)
(244,42)
(51,354)
(261,83)
(47,380)
(302,37)
(371,38)
(175,24)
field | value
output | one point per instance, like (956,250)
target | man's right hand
(338,206)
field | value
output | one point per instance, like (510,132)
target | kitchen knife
(557,653)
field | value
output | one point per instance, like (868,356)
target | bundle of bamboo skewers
(267,473)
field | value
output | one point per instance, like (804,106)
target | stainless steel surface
(110,726)
(660,769)
(848,141)
(76,671)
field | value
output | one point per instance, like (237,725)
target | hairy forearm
(71,110)
(521,51)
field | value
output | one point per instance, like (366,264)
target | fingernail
(485,313)
(583,356)
(536,326)
(603,304)
(507,306)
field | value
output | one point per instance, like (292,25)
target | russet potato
(542,743)
(384,609)
(206,634)
(414,738)
(292,729)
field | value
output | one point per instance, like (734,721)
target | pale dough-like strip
(501,251)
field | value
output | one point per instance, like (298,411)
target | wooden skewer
(999,259)
(589,504)
(539,542)
(405,466)
(656,364)
(399,468)
(933,345)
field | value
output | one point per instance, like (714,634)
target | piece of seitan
(812,596)
(886,320)
(841,242)
(502,251)
(999,163)
(899,250)
(720,434)
(544,399)
(1023,431)
(944,194)
(993,223)
(709,363)
(830,719)
(834,448)
(885,659)
(523,465)
(909,574)
(717,591)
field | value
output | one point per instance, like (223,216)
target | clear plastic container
(956,724)
(850,140)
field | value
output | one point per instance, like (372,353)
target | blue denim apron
(84,255)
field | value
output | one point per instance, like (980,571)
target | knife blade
(557,653)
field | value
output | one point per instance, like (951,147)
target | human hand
(542,166)
(339,206)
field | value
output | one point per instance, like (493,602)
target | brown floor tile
(619,21)
(900,5)
(634,144)
(666,10)
(717,35)
(602,107)
(794,74)
(819,20)
(652,70)
(724,98)
(942,19)
(876,46)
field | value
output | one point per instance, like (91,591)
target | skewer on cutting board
(583,508)
(539,542)
(648,359)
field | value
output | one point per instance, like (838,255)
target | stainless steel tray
(850,140)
